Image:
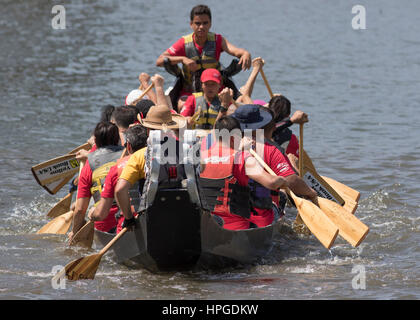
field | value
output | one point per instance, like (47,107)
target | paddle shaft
(266,82)
(301,150)
(143,94)
(111,243)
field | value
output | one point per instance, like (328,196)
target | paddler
(136,137)
(159,117)
(282,135)
(93,174)
(225,174)
(256,117)
(204,108)
(200,50)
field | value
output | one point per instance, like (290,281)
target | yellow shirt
(134,169)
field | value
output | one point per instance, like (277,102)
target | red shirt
(94,148)
(110,183)
(281,165)
(189,107)
(178,48)
(109,189)
(293,146)
(83,191)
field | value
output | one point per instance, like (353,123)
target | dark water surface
(361,89)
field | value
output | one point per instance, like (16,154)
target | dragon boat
(175,233)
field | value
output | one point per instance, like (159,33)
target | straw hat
(161,118)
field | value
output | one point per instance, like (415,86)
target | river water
(361,89)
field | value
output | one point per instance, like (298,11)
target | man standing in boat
(200,50)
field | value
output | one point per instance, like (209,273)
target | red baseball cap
(211,75)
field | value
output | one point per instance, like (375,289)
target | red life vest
(219,190)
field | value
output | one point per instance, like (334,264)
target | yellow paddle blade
(84,237)
(83,268)
(350,228)
(344,190)
(60,207)
(59,225)
(315,219)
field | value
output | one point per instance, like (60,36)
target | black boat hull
(186,237)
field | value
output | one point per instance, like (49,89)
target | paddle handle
(143,94)
(266,83)
(301,150)
(111,243)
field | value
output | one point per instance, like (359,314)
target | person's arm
(247,89)
(191,64)
(123,198)
(299,187)
(83,198)
(132,172)
(225,97)
(294,161)
(144,79)
(101,211)
(255,172)
(243,55)
(297,117)
(79,216)
(160,93)
(176,54)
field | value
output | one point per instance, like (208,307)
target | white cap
(133,96)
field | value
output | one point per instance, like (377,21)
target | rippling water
(359,87)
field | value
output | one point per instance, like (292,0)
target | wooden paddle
(59,225)
(312,178)
(62,223)
(61,207)
(85,267)
(84,237)
(350,228)
(53,174)
(324,188)
(266,82)
(86,146)
(143,94)
(343,189)
(314,218)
